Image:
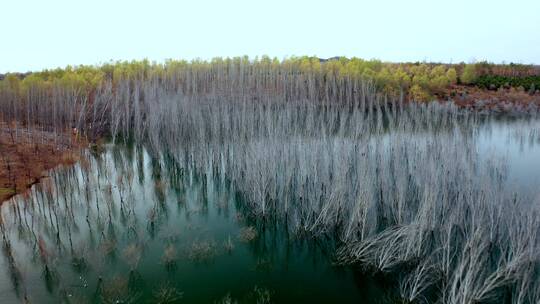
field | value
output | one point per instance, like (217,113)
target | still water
(124,227)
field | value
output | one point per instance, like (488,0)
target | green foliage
(468,76)
(439,83)
(451,74)
(11,82)
(495,82)
(419,94)
(419,80)
(404,80)
(438,71)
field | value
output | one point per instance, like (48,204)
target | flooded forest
(238,181)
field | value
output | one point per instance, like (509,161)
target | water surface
(125,227)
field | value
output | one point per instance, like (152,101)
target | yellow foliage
(438,71)
(421,79)
(451,74)
(439,83)
(403,79)
(468,75)
(419,94)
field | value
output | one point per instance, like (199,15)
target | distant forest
(412,81)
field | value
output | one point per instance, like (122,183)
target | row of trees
(508,70)
(418,81)
(370,179)
(85,97)
(314,143)
(492,82)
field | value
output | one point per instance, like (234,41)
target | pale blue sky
(46,34)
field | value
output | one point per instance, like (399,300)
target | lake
(128,225)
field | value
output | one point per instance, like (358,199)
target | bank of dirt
(26,154)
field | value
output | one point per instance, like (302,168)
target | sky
(41,34)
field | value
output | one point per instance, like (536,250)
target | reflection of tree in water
(108,204)
(167,294)
(117,290)
(14,273)
(85,219)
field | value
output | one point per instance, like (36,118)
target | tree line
(418,81)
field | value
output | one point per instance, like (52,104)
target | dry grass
(167,294)
(202,251)
(502,100)
(26,155)
(169,256)
(247,234)
(132,255)
(116,290)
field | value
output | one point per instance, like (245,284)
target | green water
(126,228)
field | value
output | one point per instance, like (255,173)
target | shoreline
(27,153)
(510,100)
(26,156)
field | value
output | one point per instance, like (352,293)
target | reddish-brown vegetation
(26,155)
(502,100)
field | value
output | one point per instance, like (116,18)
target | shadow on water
(124,227)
